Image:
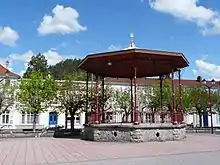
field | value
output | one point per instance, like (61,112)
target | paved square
(197,148)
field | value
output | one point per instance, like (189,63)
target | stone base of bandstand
(134,133)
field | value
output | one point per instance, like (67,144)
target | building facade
(17,120)
(205,120)
(14,119)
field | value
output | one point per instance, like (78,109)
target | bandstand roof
(120,63)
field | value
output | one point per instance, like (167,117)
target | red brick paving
(33,151)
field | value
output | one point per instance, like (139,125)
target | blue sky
(65,29)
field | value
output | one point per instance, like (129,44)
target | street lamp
(209,86)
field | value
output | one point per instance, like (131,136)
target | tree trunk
(72,118)
(127,118)
(153,117)
(200,119)
(103,116)
(123,118)
(66,115)
(34,123)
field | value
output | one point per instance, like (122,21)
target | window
(29,118)
(77,120)
(148,118)
(5,118)
(109,116)
(23,118)
(218,117)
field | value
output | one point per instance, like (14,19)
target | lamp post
(212,84)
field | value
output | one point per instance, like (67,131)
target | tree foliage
(36,93)
(72,96)
(38,63)
(201,101)
(104,100)
(155,97)
(216,100)
(188,97)
(7,96)
(67,67)
(123,102)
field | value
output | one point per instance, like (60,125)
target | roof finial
(132,44)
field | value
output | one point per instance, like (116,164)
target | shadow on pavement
(63,133)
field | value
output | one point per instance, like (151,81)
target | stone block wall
(134,133)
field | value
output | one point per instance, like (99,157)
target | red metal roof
(4,70)
(120,64)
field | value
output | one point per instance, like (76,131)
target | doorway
(53,118)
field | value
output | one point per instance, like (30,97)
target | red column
(132,104)
(103,97)
(136,122)
(210,106)
(97,101)
(181,97)
(87,98)
(173,99)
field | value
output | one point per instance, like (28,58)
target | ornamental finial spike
(132,44)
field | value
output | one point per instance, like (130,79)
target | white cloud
(54,49)
(52,57)
(8,36)
(206,19)
(114,47)
(195,72)
(3,63)
(22,72)
(64,20)
(206,68)
(22,57)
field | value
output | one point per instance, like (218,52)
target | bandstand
(134,63)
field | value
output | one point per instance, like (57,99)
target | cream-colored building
(14,119)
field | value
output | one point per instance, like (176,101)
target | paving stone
(36,151)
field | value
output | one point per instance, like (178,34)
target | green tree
(123,101)
(72,96)
(37,63)
(105,101)
(200,101)
(36,93)
(143,99)
(187,100)
(7,96)
(216,100)
(159,98)
(155,97)
(200,95)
